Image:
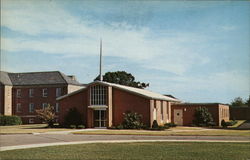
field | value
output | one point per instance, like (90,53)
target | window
(18,107)
(31,92)
(98,95)
(18,93)
(31,120)
(58,92)
(45,92)
(57,107)
(45,105)
(31,107)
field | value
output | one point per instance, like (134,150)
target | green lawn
(31,128)
(137,151)
(178,131)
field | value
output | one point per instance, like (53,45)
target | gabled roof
(4,78)
(141,92)
(39,78)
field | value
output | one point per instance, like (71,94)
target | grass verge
(138,151)
(172,132)
(28,129)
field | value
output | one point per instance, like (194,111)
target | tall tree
(248,101)
(238,101)
(123,78)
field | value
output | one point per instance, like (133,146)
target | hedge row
(10,120)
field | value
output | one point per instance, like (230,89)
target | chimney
(72,77)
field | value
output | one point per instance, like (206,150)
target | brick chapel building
(22,93)
(102,104)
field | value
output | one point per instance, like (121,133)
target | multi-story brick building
(22,93)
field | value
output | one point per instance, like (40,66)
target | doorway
(100,118)
(178,117)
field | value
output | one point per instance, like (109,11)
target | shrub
(10,120)
(119,126)
(202,117)
(132,120)
(159,128)
(170,124)
(47,115)
(155,124)
(73,117)
(81,126)
(226,124)
(72,126)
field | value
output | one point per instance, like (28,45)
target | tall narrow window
(45,92)
(98,95)
(57,107)
(18,93)
(18,107)
(31,107)
(58,92)
(31,92)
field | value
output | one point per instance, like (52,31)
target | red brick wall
(240,113)
(79,101)
(124,101)
(37,99)
(188,115)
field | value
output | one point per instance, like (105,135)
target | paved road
(245,125)
(31,139)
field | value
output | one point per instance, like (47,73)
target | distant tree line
(239,102)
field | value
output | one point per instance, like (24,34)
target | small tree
(132,120)
(73,117)
(47,115)
(202,117)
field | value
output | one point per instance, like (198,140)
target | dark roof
(169,95)
(4,78)
(40,78)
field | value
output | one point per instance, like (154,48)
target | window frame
(31,92)
(44,105)
(18,107)
(57,108)
(98,95)
(31,120)
(45,92)
(18,93)
(58,90)
(31,107)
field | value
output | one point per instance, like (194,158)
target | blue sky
(198,51)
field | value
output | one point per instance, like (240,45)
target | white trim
(98,107)
(141,92)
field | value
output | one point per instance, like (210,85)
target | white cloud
(80,37)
